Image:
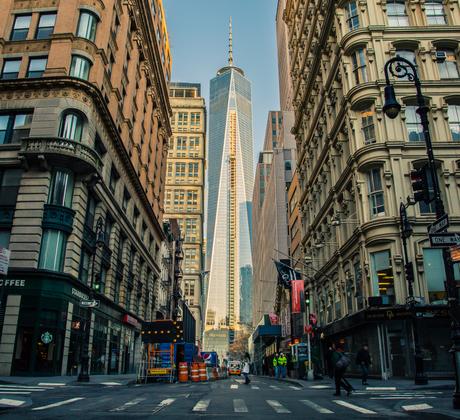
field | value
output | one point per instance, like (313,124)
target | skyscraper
(230,184)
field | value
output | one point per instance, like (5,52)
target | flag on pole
(286,273)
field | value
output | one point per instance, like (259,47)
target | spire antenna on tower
(230,44)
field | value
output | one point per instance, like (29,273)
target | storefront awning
(266,331)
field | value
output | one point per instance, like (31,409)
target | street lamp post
(83,376)
(401,68)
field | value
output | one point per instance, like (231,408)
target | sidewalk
(398,384)
(55,381)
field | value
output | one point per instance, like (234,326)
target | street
(264,398)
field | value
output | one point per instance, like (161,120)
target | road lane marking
(20,387)
(275,387)
(110,383)
(295,388)
(201,405)
(278,407)
(403,397)
(128,404)
(11,403)
(416,407)
(357,408)
(316,407)
(380,388)
(234,386)
(51,384)
(163,404)
(16,392)
(320,387)
(254,387)
(45,407)
(239,406)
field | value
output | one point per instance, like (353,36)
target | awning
(266,331)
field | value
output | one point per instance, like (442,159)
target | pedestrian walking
(245,372)
(363,360)
(275,365)
(341,362)
(282,365)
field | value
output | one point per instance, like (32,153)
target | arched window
(71,126)
(87,25)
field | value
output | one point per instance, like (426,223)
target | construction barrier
(194,372)
(183,372)
(203,374)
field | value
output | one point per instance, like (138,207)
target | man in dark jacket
(340,362)
(363,360)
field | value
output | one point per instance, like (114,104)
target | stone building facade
(184,199)
(354,163)
(84,126)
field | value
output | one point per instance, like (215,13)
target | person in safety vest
(282,363)
(275,365)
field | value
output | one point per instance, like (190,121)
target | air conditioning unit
(441,56)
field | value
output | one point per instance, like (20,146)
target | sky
(198,34)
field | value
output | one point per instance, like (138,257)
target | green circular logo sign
(47,337)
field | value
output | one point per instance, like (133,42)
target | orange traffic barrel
(203,374)
(194,372)
(183,372)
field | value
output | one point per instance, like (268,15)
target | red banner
(297,290)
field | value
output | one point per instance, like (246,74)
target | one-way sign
(89,303)
(444,239)
(439,225)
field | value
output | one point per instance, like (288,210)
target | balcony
(55,151)
(58,217)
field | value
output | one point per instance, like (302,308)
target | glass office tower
(230,183)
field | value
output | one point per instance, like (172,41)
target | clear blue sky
(198,33)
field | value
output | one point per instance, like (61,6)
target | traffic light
(307,298)
(420,186)
(409,270)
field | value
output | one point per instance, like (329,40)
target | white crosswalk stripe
(354,407)
(316,407)
(254,387)
(416,407)
(295,388)
(275,387)
(239,406)
(280,409)
(201,405)
(234,386)
(163,404)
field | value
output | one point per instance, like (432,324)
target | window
(409,55)
(52,251)
(448,68)
(20,27)
(169,169)
(359,66)
(287,165)
(358,285)
(84,267)
(182,120)
(108,229)
(5,234)
(180,170)
(11,68)
(45,25)
(126,198)
(193,170)
(71,126)
(367,126)
(90,211)
(80,67)
(195,119)
(413,124)
(37,66)
(114,177)
(453,114)
(87,25)
(396,13)
(61,189)
(376,199)
(135,217)
(10,180)
(434,10)
(352,15)
(382,276)
(14,126)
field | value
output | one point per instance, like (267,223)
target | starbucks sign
(47,337)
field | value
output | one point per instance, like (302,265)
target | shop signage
(393,314)
(130,320)
(273,318)
(297,289)
(444,239)
(159,371)
(4,260)
(47,337)
(89,303)
(12,282)
(80,295)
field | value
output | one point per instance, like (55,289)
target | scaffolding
(158,363)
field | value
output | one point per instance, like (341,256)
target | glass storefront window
(77,337)
(114,349)
(382,276)
(52,252)
(98,362)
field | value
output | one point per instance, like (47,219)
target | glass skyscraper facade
(230,184)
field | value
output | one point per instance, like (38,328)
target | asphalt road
(262,399)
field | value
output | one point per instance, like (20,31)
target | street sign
(444,239)
(439,225)
(4,260)
(89,303)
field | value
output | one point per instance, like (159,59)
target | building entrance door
(397,353)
